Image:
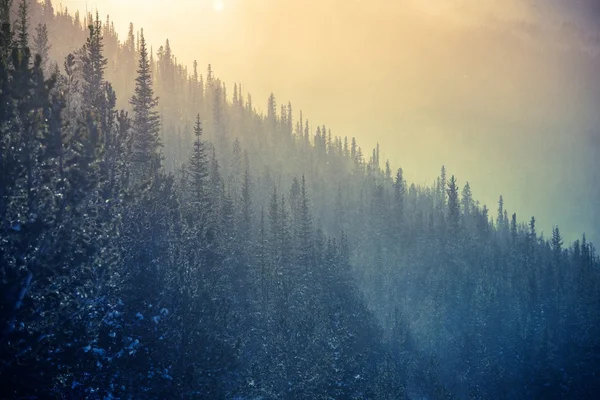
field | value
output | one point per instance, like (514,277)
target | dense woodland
(160,238)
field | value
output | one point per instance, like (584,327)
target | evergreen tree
(198,173)
(6,33)
(442,186)
(246,201)
(41,45)
(388,170)
(399,196)
(118,282)
(532,234)
(272,110)
(146,121)
(453,205)
(513,228)
(94,65)
(23,24)
(500,217)
(466,200)
(557,242)
(305,229)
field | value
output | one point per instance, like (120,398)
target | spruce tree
(442,193)
(198,172)
(41,45)
(6,34)
(23,25)
(453,204)
(246,201)
(466,200)
(94,64)
(399,195)
(5,9)
(48,8)
(532,234)
(557,242)
(501,223)
(146,121)
(513,228)
(304,231)
(272,111)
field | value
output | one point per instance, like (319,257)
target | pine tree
(41,45)
(6,33)
(399,195)
(218,118)
(453,205)
(532,234)
(272,110)
(274,224)
(249,105)
(48,8)
(195,89)
(198,172)
(388,170)
(235,170)
(500,217)
(246,201)
(466,200)
(146,121)
(57,253)
(557,242)
(94,64)
(130,42)
(289,118)
(513,228)
(23,25)
(442,185)
(305,229)
(209,78)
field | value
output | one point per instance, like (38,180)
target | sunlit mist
(495,91)
(219,6)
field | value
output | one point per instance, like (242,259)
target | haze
(505,94)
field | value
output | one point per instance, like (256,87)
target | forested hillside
(161,238)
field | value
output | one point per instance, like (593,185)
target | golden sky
(505,94)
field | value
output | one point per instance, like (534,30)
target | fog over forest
(506,95)
(239,199)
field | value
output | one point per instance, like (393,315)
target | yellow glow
(465,83)
(218,5)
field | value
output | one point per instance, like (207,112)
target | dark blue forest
(161,240)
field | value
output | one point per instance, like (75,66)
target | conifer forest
(163,238)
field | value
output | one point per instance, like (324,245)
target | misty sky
(505,94)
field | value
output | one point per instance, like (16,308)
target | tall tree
(466,200)
(5,9)
(443,182)
(41,45)
(23,25)
(198,172)
(399,196)
(501,223)
(146,121)
(557,243)
(93,66)
(246,202)
(453,205)
(513,228)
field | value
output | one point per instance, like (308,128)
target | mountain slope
(235,273)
